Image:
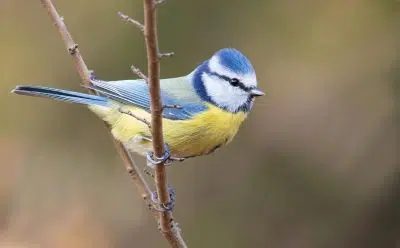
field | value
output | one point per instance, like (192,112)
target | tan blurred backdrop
(313,166)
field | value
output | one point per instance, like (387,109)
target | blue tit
(213,101)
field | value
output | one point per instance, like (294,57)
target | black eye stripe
(236,84)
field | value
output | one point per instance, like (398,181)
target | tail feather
(61,95)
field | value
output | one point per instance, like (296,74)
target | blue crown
(234,60)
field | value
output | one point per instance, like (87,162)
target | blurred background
(313,166)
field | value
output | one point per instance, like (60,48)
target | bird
(202,111)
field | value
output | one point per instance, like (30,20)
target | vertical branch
(84,73)
(153,67)
(168,228)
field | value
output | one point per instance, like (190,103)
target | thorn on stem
(139,73)
(166,55)
(131,21)
(73,49)
(159,226)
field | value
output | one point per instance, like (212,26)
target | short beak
(256,92)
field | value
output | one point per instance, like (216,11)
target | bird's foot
(164,207)
(153,160)
(166,158)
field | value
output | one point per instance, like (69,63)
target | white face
(222,92)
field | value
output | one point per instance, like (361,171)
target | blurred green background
(313,166)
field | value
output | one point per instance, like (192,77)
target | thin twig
(85,75)
(167,224)
(166,55)
(139,73)
(175,106)
(131,21)
(128,112)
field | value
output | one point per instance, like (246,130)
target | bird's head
(227,80)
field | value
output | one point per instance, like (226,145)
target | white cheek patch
(250,80)
(224,94)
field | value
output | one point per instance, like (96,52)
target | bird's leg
(140,139)
(153,161)
(166,159)
(162,207)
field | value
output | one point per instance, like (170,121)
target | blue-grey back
(175,91)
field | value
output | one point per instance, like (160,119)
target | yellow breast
(197,136)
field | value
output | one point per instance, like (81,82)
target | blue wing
(136,92)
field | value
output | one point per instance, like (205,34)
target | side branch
(131,21)
(166,55)
(139,73)
(128,112)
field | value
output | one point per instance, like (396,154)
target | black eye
(234,82)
